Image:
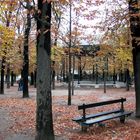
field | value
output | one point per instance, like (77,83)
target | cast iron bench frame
(88,120)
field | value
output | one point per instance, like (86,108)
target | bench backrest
(84,106)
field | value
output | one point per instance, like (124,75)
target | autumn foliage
(22,115)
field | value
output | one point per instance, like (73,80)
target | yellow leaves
(57,53)
(32,56)
(8,49)
(123,54)
(123,57)
(7,37)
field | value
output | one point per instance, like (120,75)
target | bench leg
(122,119)
(84,128)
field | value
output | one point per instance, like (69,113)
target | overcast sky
(96,33)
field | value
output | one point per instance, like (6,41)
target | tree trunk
(35,78)
(79,69)
(104,77)
(114,72)
(12,78)
(44,121)
(73,74)
(96,78)
(26,54)
(134,9)
(70,75)
(2,75)
(93,73)
(69,80)
(64,69)
(127,79)
(32,79)
(136,62)
(53,75)
(8,76)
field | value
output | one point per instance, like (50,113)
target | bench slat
(77,119)
(101,103)
(104,118)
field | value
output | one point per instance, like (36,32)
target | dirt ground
(17,115)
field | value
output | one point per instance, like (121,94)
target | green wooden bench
(90,119)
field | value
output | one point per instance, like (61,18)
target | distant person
(20,84)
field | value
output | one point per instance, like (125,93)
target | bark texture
(134,10)
(44,121)
(26,54)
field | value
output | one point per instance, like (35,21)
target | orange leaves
(21,115)
(63,1)
(105,50)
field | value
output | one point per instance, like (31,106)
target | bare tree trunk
(26,53)
(44,119)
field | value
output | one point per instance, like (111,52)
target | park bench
(90,119)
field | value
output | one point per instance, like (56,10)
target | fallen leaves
(22,117)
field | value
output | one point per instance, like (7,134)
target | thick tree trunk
(134,10)
(44,121)
(136,62)
(26,54)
